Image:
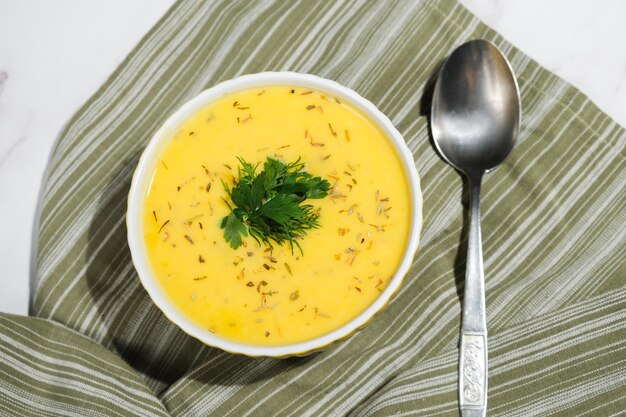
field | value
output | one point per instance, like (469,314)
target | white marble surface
(54,55)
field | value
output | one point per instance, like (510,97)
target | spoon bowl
(476,110)
(475,119)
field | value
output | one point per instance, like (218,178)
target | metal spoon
(475,119)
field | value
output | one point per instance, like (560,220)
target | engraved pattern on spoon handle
(473,353)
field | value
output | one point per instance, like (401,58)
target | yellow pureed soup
(274,297)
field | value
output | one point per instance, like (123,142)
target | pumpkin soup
(312,264)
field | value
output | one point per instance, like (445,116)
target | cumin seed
(353,258)
(258,287)
(332,131)
(163,225)
(185,183)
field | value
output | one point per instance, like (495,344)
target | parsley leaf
(268,204)
(234,229)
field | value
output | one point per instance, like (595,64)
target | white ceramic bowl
(150,157)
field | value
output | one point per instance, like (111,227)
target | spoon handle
(473,354)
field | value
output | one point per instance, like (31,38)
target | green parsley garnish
(268,205)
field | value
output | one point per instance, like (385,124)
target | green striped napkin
(553,228)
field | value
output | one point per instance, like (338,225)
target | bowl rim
(142,177)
